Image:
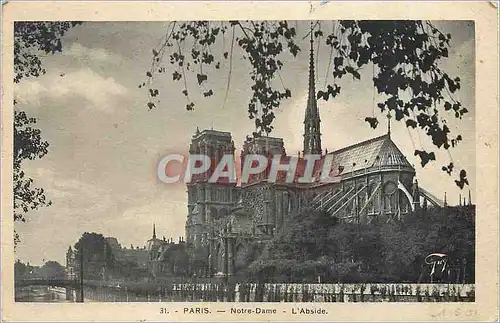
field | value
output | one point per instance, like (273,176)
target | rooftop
(211,132)
(378,151)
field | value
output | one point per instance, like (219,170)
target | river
(43,294)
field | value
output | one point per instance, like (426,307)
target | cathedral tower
(312,134)
(207,202)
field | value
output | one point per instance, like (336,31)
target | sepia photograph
(113,100)
(244,161)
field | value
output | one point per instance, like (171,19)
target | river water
(43,294)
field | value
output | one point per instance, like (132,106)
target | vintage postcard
(254,161)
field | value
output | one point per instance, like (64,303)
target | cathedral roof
(369,154)
(375,152)
(212,133)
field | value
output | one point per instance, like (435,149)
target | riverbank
(43,294)
(254,293)
(286,293)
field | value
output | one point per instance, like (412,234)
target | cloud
(95,90)
(134,225)
(84,53)
(70,194)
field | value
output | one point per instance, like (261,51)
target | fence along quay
(284,292)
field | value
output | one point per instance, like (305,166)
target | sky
(100,172)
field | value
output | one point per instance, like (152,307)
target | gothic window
(390,188)
(390,203)
(213,214)
(361,201)
(376,203)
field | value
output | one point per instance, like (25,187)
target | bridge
(56,282)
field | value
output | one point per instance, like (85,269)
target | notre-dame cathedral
(374,182)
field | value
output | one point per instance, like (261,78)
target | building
(136,255)
(71,266)
(373,181)
(125,258)
(166,258)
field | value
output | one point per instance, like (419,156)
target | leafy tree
(30,40)
(405,57)
(28,144)
(97,256)
(197,260)
(176,260)
(22,270)
(247,255)
(128,270)
(52,270)
(312,244)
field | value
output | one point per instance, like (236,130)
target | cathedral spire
(154,231)
(312,134)
(389,123)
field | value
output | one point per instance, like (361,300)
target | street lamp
(81,275)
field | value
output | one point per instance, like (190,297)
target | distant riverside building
(136,255)
(70,264)
(374,182)
(166,257)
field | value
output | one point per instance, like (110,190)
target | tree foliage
(49,270)
(176,260)
(52,270)
(22,270)
(313,244)
(28,144)
(97,255)
(198,260)
(31,40)
(405,57)
(129,270)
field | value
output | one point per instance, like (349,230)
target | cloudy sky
(100,172)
